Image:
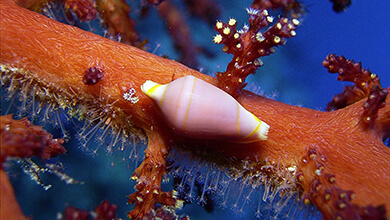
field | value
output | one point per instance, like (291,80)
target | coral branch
(376,100)
(9,207)
(84,9)
(115,14)
(180,32)
(72,213)
(178,28)
(208,10)
(322,189)
(349,71)
(292,8)
(366,85)
(21,139)
(105,211)
(54,57)
(248,45)
(148,177)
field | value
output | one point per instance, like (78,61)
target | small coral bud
(217,39)
(293,33)
(342,205)
(277,39)
(316,185)
(226,31)
(139,199)
(260,37)
(295,22)
(252,11)
(300,177)
(343,195)
(292,168)
(174,194)
(327,196)
(225,48)
(306,201)
(93,75)
(245,28)
(219,25)
(331,178)
(258,62)
(367,119)
(179,204)
(232,21)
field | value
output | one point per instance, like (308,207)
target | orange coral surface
(57,55)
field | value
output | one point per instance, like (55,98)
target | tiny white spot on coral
(270,19)
(277,39)
(226,30)
(260,37)
(232,21)
(218,39)
(252,11)
(219,25)
(130,96)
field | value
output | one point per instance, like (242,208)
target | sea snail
(195,108)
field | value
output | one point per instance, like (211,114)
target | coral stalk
(9,207)
(21,139)
(56,56)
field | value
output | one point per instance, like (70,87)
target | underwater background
(294,72)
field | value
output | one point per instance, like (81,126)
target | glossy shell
(197,109)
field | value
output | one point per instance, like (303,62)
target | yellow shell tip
(148,86)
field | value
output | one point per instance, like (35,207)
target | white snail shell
(197,109)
